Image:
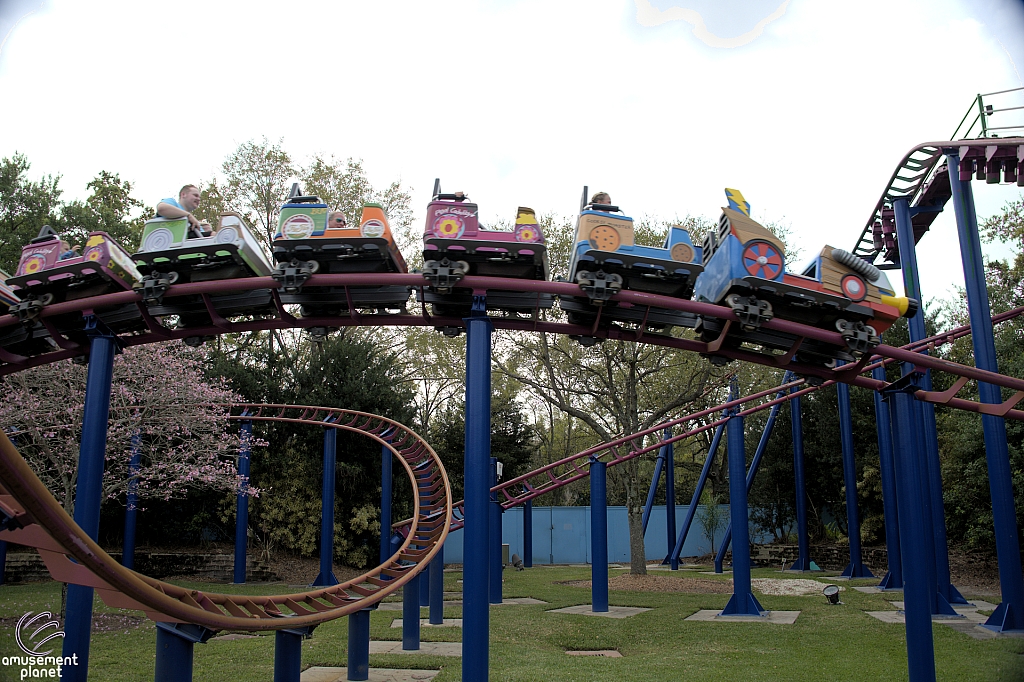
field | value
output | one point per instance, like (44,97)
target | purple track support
(528,534)
(692,510)
(670,497)
(89,491)
(326,577)
(762,445)
(856,567)
(436,591)
(933,482)
(494,539)
(242,501)
(132,503)
(803,560)
(893,579)
(919,589)
(598,536)
(1009,615)
(411,614)
(743,602)
(476,608)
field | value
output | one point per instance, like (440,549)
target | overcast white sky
(806,107)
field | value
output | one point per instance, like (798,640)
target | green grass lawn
(827,643)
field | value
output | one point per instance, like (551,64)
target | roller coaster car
(606,259)
(29,338)
(7,296)
(169,255)
(454,245)
(306,244)
(49,273)
(744,268)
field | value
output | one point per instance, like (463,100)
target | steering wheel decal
(762,259)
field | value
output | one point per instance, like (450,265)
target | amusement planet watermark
(32,634)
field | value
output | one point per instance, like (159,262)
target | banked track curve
(34,518)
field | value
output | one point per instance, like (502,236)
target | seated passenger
(68,251)
(336,220)
(187,201)
(600,199)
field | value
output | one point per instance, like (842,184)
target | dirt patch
(297,570)
(101,622)
(788,587)
(974,573)
(658,583)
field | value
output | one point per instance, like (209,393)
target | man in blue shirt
(182,207)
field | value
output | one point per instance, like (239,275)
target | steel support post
(762,445)
(528,534)
(436,590)
(670,496)
(494,539)
(659,465)
(411,614)
(598,536)
(385,502)
(929,434)
(476,608)
(893,579)
(425,587)
(174,649)
(288,653)
(89,489)
(359,645)
(695,500)
(326,577)
(242,501)
(803,559)
(856,567)
(1009,615)
(742,602)
(919,590)
(132,503)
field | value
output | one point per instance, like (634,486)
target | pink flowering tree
(159,393)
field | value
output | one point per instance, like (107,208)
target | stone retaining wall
(23,567)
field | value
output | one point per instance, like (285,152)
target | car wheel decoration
(762,259)
(854,288)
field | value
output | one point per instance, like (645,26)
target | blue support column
(385,502)
(697,491)
(174,648)
(359,645)
(856,567)
(326,577)
(411,614)
(436,580)
(919,590)
(494,539)
(1009,615)
(933,483)
(132,503)
(659,465)
(89,490)
(762,445)
(242,501)
(670,496)
(528,534)
(893,579)
(288,653)
(599,536)
(803,560)
(742,602)
(476,608)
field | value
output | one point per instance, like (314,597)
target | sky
(806,107)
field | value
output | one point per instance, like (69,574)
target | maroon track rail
(46,526)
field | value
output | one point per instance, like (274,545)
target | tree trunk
(635,514)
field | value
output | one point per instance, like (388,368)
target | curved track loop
(552,476)
(46,526)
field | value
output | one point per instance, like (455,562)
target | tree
(108,209)
(25,206)
(256,182)
(159,394)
